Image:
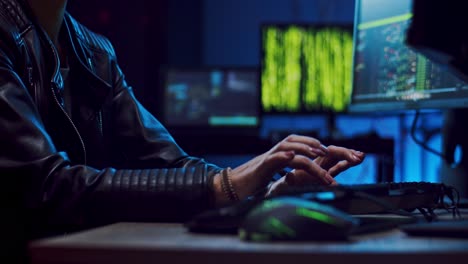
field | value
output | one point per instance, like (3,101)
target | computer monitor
(388,74)
(305,68)
(391,71)
(211,99)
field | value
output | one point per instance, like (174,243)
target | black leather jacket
(109,160)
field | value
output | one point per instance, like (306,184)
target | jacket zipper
(30,76)
(71,122)
(100,123)
(31,83)
(99,113)
(54,88)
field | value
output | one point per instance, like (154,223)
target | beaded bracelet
(226,185)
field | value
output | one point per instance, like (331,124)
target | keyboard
(376,197)
(359,199)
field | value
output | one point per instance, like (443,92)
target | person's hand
(336,161)
(296,152)
(340,159)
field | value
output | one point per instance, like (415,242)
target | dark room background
(150,35)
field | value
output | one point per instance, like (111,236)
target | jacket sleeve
(58,195)
(164,183)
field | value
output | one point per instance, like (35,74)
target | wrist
(225,191)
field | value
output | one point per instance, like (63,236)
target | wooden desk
(170,243)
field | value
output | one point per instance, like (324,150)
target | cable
(422,143)
(448,191)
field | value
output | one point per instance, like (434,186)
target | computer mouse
(294,218)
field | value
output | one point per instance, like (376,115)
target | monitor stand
(454,170)
(332,129)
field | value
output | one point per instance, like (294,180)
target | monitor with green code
(305,68)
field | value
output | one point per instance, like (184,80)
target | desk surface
(172,243)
